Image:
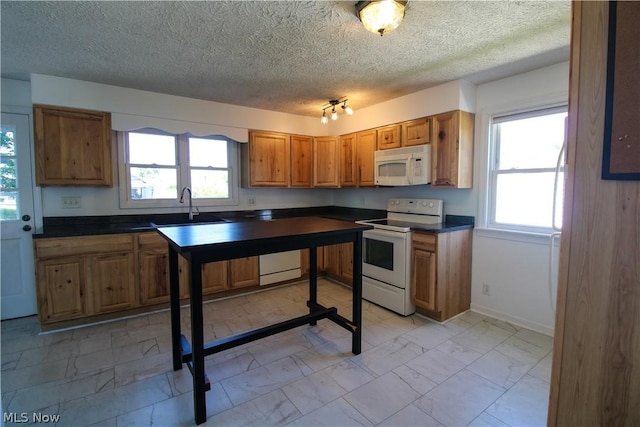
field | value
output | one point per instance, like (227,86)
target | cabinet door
(389,137)
(72,146)
(154,276)
(215,277)
(244,272)
(365,148)
(346,263)
(332,260)
(452,150)
(326,161)
(61,289)
(348,160)
(416,132)
(269,159)
(304,260)
(301,161)
(423,279)
(112,279)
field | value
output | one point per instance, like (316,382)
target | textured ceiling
(288,56)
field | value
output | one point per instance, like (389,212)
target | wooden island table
(203,243)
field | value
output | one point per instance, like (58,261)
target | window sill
(512,235)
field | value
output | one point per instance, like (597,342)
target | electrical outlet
(251,201)
(71,202)
(485,289)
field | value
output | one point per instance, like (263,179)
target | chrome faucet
(192,211)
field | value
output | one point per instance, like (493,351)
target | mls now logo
(25,417)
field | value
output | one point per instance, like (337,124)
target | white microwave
(403,166)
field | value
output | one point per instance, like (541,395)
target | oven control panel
(416,206)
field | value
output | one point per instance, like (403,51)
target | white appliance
(279,267)
(386,252)
(403,166)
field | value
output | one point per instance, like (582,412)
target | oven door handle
(384,233)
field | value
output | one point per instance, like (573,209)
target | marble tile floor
(472,370)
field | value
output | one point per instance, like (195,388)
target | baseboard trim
(518,321)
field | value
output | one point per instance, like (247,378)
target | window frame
(493,172)
(183,172)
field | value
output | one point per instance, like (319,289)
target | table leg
(174,292)
(356,338)
(197,339)
(313,281)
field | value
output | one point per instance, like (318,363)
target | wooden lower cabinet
(244,272)
(441,273)
(112,281)
(82,276)
(61,289)
(338,261)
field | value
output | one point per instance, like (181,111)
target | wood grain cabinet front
(72,146)
(416,132)
(269,159)
(338,262)
(441,273)
(82,276)
(452,150)
(389,137)
(326,161)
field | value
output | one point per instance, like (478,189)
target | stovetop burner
(403,214)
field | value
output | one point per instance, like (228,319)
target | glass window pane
(209,184)
(150,149)
(525,199)
(9,205)
(7,145)
(154,183)
(207,152)
(533,142)
(8,173)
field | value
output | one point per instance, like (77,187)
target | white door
(18,292)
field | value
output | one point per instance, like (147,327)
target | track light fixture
(334,114)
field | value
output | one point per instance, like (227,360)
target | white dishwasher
(279,267)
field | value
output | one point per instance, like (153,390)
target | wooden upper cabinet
(452,150)
(269,159)
(326,161)
(72,146)
(348,161)
(301,161)
(416,132)
(365,148)
(389,137)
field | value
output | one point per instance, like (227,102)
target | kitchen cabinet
(72,146)
(357,159)
(416,132)
(365,149)
(301,161)
(244,272)
(389,137)
(81,276)
(348,161)
(269,159)
(452,150)
(326,161)
(441,273)
(339,262)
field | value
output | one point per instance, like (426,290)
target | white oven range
(386,252)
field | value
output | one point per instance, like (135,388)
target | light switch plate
(71,202)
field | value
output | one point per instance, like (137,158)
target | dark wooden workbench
(201,244)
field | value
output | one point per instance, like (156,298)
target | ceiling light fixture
(381,16)
(334,114)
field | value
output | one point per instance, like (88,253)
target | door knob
(26,218)
(27,228)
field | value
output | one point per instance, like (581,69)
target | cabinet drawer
(85,245)
(425,242)
(151,240)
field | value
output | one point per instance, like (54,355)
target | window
(525,149)
(8,174)
(157,165)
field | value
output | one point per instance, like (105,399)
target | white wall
(515,266)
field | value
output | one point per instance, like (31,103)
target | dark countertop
(115,224)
